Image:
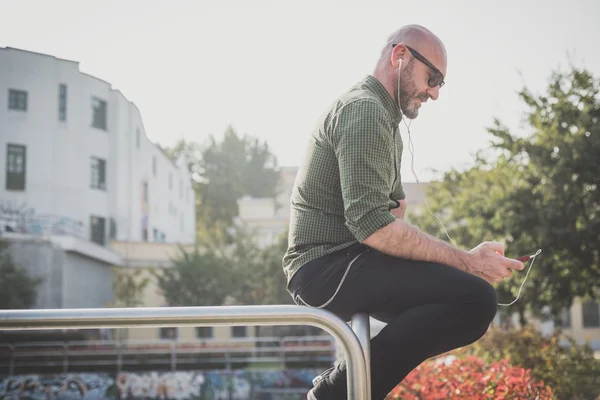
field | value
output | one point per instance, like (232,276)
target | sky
(270,68)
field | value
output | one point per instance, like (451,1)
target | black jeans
(429,308)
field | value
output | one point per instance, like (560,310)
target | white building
(75,159)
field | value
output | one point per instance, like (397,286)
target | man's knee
(485,302)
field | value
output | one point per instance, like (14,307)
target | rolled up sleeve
(362,137)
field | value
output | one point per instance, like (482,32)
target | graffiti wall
(67,386)
(197,385)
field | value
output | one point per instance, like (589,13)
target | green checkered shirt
(350,178)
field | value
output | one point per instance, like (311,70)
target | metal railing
(202,316)
(219,352)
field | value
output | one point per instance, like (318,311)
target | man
(350,249)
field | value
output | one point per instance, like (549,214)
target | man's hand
(400,210)
(488,262)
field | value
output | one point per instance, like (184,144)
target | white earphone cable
(411,148)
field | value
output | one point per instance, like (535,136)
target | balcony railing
(120,355)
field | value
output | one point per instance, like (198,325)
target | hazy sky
(270,68)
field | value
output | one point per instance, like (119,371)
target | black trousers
(429,308)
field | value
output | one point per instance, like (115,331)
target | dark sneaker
(321,389)
(322,376)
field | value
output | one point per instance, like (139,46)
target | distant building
(75,159)
(76,172)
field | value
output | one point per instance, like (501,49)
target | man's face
(411,94)
(416,79)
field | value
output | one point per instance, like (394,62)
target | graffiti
(10,211)
(14,217)
(181,385)
(23,219)
(154,385)
(67,386)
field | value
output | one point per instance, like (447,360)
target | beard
(409,94)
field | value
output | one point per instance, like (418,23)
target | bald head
(412,67)
(419,38)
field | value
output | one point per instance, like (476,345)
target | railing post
(66,359)
(119,355)
(173,357)
(12,359)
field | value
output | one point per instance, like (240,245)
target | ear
(398,52)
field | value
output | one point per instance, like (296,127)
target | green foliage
(571,371)
(260,273)
(18,290)
(228,266)
(225,171)
(201,277)
(236,273)
(129,286)
(539,190)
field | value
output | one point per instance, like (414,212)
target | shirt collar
(373,84)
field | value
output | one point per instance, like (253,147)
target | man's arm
(363,141)
(401,239)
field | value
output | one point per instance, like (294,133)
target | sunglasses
(437,79)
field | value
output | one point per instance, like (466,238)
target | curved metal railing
(202,316)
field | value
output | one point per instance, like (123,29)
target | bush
(469,377)
(571,371)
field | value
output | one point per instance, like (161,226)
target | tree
(537,190)
(223,173)
(202,277)
(258,271)
(18,290)
(238,273)
(128,287)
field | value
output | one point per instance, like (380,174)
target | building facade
(75,159)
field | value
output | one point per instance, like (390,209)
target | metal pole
(362,327)
(202,316)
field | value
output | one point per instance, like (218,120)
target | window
(145,191)
(98,113)
(17,100)
(180,189)
(112,230)
(98,173)
(168,333)
(204,332)
(563,319)
(170,181)
(62,102)
(97,230)
(137,138)
(181,222)
(238,331)
(154,167)
(15,166)
(591,314)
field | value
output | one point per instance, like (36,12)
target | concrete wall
(87,283)
(42,259)
(70,280)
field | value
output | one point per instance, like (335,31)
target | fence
(171,354)
(202,316)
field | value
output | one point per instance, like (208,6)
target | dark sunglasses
(437,79)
